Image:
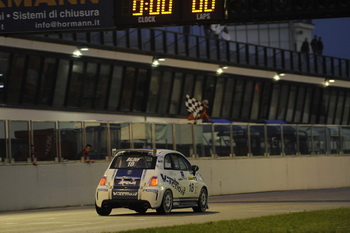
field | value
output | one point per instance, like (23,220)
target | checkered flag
(193,106)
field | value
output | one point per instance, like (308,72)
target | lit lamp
(156,61)
(327,82)
(278,76)
(83,48)
(221,69)
(77,52)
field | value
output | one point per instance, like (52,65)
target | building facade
(116,76)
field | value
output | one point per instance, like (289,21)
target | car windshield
(133,160)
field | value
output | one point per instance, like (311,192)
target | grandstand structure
(144,75)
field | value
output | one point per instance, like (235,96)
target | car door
(184,183)
(188,179)
(172,178)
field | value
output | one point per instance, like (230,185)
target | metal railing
(58,141)
(160,42)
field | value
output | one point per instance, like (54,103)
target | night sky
(335,34)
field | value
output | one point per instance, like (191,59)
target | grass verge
(323,221)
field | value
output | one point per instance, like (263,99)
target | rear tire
(202,201)
(103,211)
(167,203)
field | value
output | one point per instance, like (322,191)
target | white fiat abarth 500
(139,179)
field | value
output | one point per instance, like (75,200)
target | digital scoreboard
(138,13)
(18,16)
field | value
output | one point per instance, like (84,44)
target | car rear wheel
(103,211)
(202,201)
(167,203)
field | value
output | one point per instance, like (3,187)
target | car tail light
(153,181)
(103,180)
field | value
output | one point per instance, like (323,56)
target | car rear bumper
(130,204)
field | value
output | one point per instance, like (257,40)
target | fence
(58,141)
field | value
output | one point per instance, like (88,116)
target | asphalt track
(85,219)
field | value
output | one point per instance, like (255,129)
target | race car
(142,179)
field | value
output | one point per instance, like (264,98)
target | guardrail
(57,141)
(209,48)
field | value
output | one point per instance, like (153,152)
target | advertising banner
(55,15)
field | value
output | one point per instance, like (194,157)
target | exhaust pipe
(105,204)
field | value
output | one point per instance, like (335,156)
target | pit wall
(73,184)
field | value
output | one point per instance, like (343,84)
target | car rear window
(134,161)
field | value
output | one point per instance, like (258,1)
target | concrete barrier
(271,174)
(73,184)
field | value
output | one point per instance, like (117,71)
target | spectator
(320,46)
(84,154)
(204,114)
(305,48)
(313,44)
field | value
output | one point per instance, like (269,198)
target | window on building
(4,66)
(15,79)
(127,91)
(154,91)
(346,111)
(265,100)
(256,101)
(324,106)
(209,92)
(291,104)
(165,94)
(87,94)
(31,80)
(332,107)
(219,93)
(299,105)
(61,83)
(315,105)
(115,88)
(187,90)
(75,84)
(339,107)
(47,81)
(274,101)
(228,98)
(141,87)
(247,99)
(307,105)
(176,93)
(237,99)
(282,104)
(199,86)
(103,86)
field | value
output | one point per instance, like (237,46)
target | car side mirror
(195,168)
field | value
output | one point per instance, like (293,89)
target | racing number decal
(191,188)
(131,164)
(132,161)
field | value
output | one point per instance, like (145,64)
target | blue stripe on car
(127,183)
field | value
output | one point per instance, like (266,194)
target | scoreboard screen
(138,13)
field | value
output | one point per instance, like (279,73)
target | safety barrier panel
(61,141)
